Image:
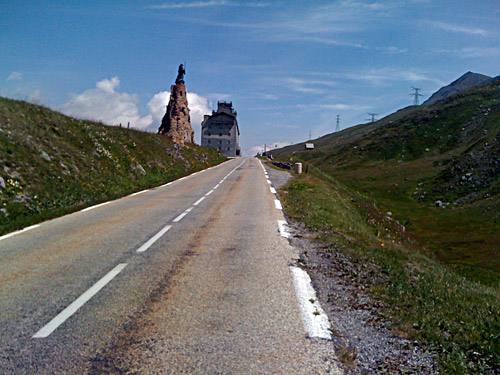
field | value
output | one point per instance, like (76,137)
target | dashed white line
(19,231)
(139,192)
(181,216)
(60,318)
(97,205)
(273,190)
(269,182)
(153,239)
(221,181)
(216,186)
(315,320)
(210,192)
(277,204)
(282,226)
(198,201)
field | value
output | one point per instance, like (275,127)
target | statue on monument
(180,74)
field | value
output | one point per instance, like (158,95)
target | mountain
(51,164)
(467,81)
(436,168)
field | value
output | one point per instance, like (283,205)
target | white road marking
(277,204)
(18,231)
(79,302)
(282,226)
(216,186)
(221,181)
(97,205)
(169,183)
(269,182)
(210,192)
(153,239)
(181,216)
(198,201)
(139,192)
(315,320)
(273,190)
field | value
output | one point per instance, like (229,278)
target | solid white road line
(97,205)
(153,239)
(198,201)
(277,204)
(210,192)
(315,320)
(168,183)
(79,302)
(273,190)
(282,226)
(19,231)
(181,216)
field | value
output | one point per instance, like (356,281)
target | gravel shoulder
(363,339)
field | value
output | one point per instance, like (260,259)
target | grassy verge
(51,164)
(458,319)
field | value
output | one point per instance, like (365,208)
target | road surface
(191,277)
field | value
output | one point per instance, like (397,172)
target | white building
(220,130)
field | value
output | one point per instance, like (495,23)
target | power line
(372,115)
(415,95)
(337,128)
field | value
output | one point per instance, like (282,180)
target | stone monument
(176,124)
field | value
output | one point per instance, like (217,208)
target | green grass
(456,318)
(52,164)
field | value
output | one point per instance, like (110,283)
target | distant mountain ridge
(466,81)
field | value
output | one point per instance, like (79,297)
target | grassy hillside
(414,202)
(52,164)
(436,169)
(454,318)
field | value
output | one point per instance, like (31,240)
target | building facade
(220,130)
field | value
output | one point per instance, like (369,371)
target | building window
(228,148)
(220,142)
(209,141)
(220,134)
(209,134)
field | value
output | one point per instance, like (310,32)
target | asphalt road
(188,278)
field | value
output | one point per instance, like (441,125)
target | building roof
(232,115)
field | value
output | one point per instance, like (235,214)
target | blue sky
(288,66)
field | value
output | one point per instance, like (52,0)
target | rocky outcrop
(176,123)
(467,81)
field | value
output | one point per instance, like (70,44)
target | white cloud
(207,4)
(198,107)
(35,96)
(104,103)
(308,86)
(480,52)
(461,29)
(378,77)
(342,107)
(15,76)
(157,107)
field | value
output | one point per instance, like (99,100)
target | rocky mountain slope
(467,81)
(52,164)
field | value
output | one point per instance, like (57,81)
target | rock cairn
(176,124)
